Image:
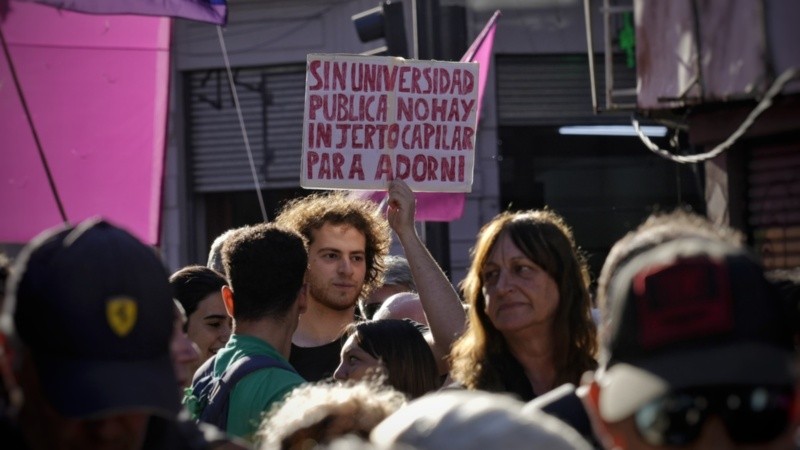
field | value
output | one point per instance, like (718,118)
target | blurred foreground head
(318,414)
(697,351)
(90,315)
(473,420)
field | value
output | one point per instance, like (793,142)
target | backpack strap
(216,410)
(202,381)
(205,371)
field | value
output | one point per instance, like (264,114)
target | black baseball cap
(691,312)
(94,307)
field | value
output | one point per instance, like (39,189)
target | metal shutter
(774,204)
(271,99)
(555,90)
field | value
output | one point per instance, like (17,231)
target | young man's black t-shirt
(317,363)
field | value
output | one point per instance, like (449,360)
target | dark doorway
(226,210)
(604,186)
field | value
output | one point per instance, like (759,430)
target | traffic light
(383,21)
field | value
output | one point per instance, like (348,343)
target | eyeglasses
(751,414)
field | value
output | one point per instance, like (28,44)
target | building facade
(539,83)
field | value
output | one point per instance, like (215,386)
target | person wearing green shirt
(265,265)
(254,394)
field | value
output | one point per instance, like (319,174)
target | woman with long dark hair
(393,349)
(530,327)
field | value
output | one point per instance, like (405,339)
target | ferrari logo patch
(121,315)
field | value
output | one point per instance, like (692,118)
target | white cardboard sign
(370,119)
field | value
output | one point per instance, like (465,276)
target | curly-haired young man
(347,241)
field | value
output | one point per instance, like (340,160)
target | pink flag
(213,11)
(447,207)
(97,89)
(481,52)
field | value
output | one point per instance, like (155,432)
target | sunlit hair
(215,251)
(398,272)
(400,346)
(5,271)
(310,213)
(317,414)
(481,356)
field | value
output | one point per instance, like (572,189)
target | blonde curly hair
(320,412)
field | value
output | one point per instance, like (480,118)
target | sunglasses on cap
(751,414)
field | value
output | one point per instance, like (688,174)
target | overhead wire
(765,103)
(241,123)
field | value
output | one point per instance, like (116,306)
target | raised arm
(442,305)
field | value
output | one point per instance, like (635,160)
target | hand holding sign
(401,209)
(369,120)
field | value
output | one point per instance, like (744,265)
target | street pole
(439,33)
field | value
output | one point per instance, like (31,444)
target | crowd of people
(305,333)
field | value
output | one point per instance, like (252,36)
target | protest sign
(371,119)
